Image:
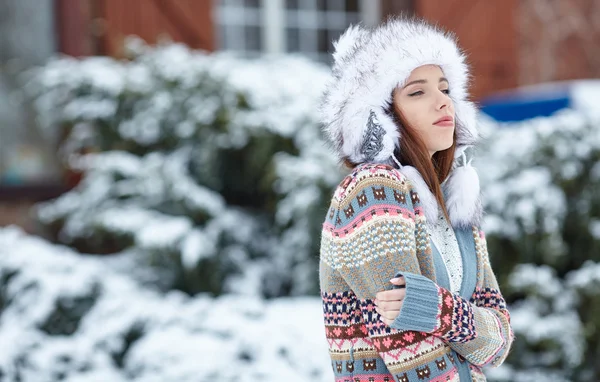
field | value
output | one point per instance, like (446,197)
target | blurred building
(29,170)
(486,28)
(510,43)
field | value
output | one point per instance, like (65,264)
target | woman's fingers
(389,316)
(389,305)
(390,295)
(399,281)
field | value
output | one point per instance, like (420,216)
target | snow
(162,232)
(532,173)
(525,169)
(508,374)
(91,107)
(241,338)
(197,245)
(565,328)
(232,337)
(583,96)
(587,278)
(145,182)
(594,227)
(178,113)
(541,278)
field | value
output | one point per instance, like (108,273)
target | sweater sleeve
(477,329)
(370,234)
(491,317)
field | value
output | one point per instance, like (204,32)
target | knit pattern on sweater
(375,228)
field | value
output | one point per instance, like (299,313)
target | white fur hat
(368,65)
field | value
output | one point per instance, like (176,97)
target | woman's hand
(388,303)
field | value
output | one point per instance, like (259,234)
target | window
(311,26)
(239,25)
(275,26)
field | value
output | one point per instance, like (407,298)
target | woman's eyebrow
(415,82)
(442,79)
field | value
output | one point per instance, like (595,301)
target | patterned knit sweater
(375,230)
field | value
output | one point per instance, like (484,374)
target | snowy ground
(74,318)
(111,329)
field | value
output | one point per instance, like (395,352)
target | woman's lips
(446,123)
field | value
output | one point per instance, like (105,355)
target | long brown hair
(413,152)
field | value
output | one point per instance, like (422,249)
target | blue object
(526,103)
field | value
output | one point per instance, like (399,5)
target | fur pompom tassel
(430,205)
(462,197)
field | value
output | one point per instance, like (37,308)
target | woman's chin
(443,147)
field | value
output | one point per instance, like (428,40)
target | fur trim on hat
(368,65)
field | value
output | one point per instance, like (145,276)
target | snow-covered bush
(211,164)
(541,182)
(65,317)
(211,169)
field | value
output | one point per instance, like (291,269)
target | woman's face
(425,104)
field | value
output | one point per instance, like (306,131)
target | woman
(408,290)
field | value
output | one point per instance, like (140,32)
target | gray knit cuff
(420,306)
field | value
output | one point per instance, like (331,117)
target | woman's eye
(446,91)
(415,93)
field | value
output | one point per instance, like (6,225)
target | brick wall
(558,40)
(511,43)
(486,31)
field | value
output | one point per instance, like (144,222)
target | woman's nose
(443,101)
